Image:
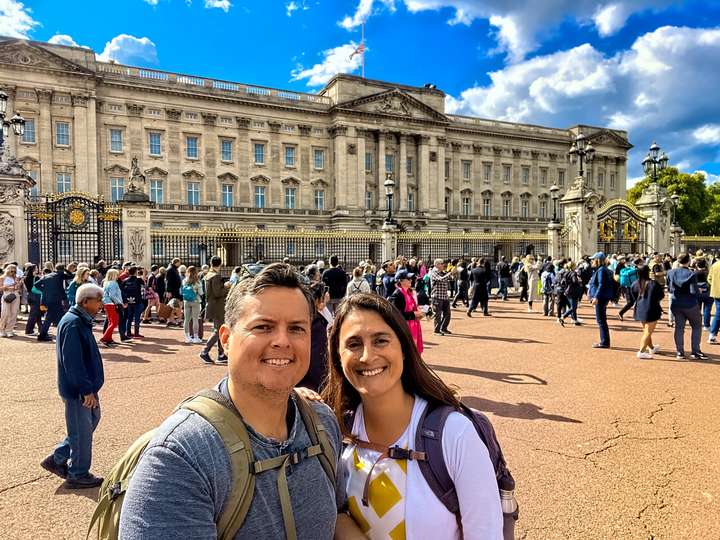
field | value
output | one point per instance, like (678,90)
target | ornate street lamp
(581,151)
(389,191)
(654,162)
(17,123)
(675,200)
(554,195)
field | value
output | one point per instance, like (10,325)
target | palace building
(228,155)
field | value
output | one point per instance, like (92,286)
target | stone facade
(213,151)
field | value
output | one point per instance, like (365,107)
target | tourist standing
(600,292)
(714,281)
(173,281)
(358,284)
(54,298)
(439,280)
(547,280)
(35,315)
(463,282)
(316,375)
(685,306)
(648,296)
(480,277)
(10,285)
(336,280)
(82,276)
(706,301)
(405,303)
(504,278)
(532,269)
(191,292)
(112,303)
(80,378)
(216,291)
(131,288)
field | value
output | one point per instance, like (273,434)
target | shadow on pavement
(509,378)
(90,493)
(500,338)
(525,411)
(114,357)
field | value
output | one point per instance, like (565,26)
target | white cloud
(16,19)
(220,4)
(295,6)
(336,60)
(152,2)
(127,49)
(663,87)
(63,39)
(363,12)
(610,18)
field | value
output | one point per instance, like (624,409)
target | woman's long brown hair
(417,378)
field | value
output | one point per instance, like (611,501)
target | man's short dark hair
(60,267)
(132,270)
(273,275)
(154,268)
(334,260)
(684,258)
(215,261)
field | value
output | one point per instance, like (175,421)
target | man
(80,377)
(215,293)
(714,280)
(336,279)
(462,284)
(685,306)
(387,279)
(600,292)
(184,477)
(439,280)
(54,298)
(504,277)
(173,283)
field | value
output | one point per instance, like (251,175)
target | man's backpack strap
(318,435)
(222,415)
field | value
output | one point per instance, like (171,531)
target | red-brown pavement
(602,445)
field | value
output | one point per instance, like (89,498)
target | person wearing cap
(403,299)
(600,291)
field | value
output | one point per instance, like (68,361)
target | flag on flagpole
(360,49)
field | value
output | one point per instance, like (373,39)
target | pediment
(28,159)
(291,180)
(261,178)
(394,103)
(18,52)
(117,169)
(319,182)
(192,173)
(155,171)
(228,177)
(607,137)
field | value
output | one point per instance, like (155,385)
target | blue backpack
(628,276)
(188,293)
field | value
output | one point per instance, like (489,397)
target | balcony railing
(240,209)
(175,79)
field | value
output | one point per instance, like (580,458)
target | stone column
(580,208)
(554,250)
(402,174)
(244,162)
(379,191)
(14,182)
(677,232)
(92,146)
(136,231)
(359,201)
(656,206)
(80,143)
(45,178)
(389,241)
(440,168)
(339,135)
(209,194)
(424,173)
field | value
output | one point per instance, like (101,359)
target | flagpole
(362,41)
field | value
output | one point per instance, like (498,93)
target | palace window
(259,152)
(193,193)
(411,201)
(116,140)
(612,180)
(447,169)
(319,199)
(34,191)
(63,182)
(561,178)
(507,173)
(526,175)
(447,204)
(117,189)
(228,200)
(543,209)
(368,162)
(389,163)
(226,150)
(601,180)
(368,200)
(29,134)
(62,134)
(259,196)
(589,177)
(524,208)
(191,147)
(156,191)
(154,143)
(487,206)
(487,172)
(466,169)
(467,206)
(409,165)
(543,177)
(507,207)
(290,194)
(319,159)
(289,156)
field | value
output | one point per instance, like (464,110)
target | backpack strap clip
(115,490)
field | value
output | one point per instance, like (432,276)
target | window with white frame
(487,205)
(259,196)
(156,191)
(543,208)
(612,180)
(526,175)
(117,189)
(319,199)
(507,207)
(543,177)
(524,207)
(368,162)
(601,180)
(447,168)
(29,133)
(116,140)
(228,199)
(467,205)
(259,153)
(226,150)
(191,147)
(154,143)
(193,193)
(290,193)
(507,173)
(389,163)
(63,182)
(561,178)
(319,159)
(487,172)
(411,200)
(62,134)
(289,156)
(369,200)
(466,169)
(409,165)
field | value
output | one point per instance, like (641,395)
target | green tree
(711,223)
(693,207)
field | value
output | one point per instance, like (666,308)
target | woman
(34,295)
(573,289)
(82,276)
(379,382)
(406,304)
(160,288)
(357,284)
(10,286)
(112,299)
(532,269)
(706,301)
(369,276)
(648,309)
(151,294)
(317,373)
(191,292)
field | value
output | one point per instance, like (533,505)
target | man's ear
(224,335)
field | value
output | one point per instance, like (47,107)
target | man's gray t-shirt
(184,477)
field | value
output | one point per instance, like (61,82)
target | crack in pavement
(658,502)
(20,484)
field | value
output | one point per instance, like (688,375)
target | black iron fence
(429,246)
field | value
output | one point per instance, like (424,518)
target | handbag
(10,297)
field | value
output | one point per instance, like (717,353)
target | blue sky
(649,66)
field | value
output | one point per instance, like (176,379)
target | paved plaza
(602,445)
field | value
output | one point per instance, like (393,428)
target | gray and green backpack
(222,415)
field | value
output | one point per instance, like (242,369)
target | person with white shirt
(380,387)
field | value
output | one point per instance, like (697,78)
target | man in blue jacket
(685,306)
(80,377)
(600,291)
(54,298)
